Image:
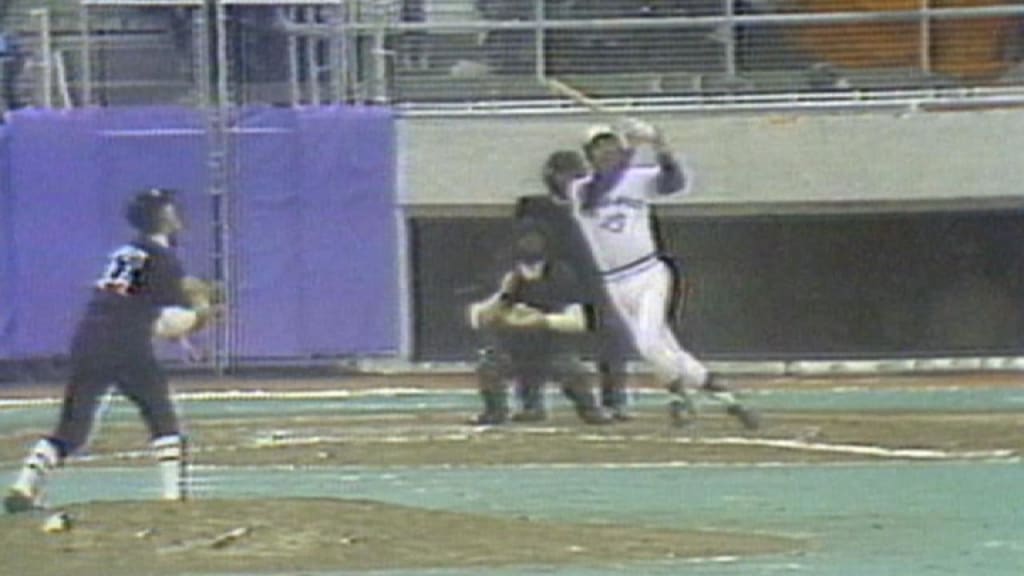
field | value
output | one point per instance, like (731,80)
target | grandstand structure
(476,63)
(458,56)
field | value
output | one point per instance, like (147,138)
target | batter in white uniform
(612,208)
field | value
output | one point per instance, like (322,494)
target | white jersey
(618,227)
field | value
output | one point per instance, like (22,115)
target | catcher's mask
(531,246)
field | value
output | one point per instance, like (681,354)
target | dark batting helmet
(143,211)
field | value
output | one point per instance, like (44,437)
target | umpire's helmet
(560,168)
(143,211)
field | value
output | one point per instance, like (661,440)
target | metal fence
(459,57)
(473,55)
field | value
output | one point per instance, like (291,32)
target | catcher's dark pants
(133,369)
(530,372)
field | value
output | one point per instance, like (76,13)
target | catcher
(531,330)
(143,292)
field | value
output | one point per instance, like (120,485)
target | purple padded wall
(314,229)
(71,174)
(57,218)
(157,147)
(315,234)
(6,251)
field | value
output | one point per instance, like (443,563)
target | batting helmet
(599,132)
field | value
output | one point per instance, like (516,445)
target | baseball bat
(562,89)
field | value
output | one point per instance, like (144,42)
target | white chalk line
(775,443)
(389,471)
(385,472)
(396,392)
(856,449)
(456,435)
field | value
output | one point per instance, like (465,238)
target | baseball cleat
(17,501)
(749,418)
(621,414)
(530,416)
(489,419)
(57,523)
(614,400)
(681,414)
(596,416)
(714,384)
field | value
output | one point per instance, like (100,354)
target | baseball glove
(205,298)
(201,293)
(204,303)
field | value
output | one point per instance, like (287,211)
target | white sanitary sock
(43,458)
(170,455)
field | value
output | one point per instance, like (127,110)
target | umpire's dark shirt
(565,240)
(141,278)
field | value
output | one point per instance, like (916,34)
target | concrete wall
(885,236)
(740,162)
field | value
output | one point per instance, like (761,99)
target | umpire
(140,292)
(610,342)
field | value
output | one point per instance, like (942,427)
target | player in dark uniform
(139,293)
(611,342)
(531,329)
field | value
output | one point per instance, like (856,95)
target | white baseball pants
(642,297)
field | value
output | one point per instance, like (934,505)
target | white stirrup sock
(170,455)
(726,398)
(43,458)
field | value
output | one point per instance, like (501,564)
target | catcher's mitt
(493,314)
(520,317)
(498,314)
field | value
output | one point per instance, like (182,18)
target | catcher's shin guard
(531,395)
(171,455)
(614,396)
(495,406)
(582,397)
(27,491)
(494,393)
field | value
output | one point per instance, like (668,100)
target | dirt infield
(441,438)
(215,536)
(239,535)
